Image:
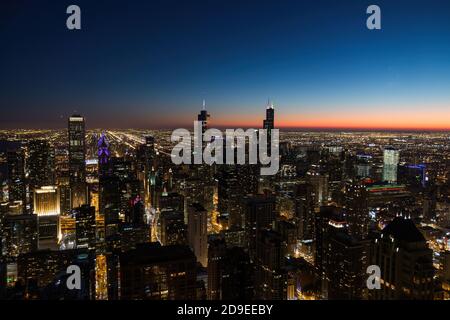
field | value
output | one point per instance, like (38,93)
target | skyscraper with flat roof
(77,161)
(16,176)
(391,158)
(198,232)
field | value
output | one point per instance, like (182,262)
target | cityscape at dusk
(315,59)
(348,104)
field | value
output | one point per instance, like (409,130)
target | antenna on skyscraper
(204,105)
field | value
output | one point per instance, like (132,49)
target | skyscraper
(216,258)
(230,273)
(173,229)
(259,213)
(85,227)
(391,158)
(304,211)
(357,209)
(16,176)
(103,152)
(19,234)
(40,164)
(203,116)
(77,161)
(270,277)
(47,209)
(46,201)
(156,272)
(269,122)
(198,232)
(406,262)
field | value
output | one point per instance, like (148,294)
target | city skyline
(151,65)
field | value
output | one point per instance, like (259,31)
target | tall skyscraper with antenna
(269,122)
(203,116)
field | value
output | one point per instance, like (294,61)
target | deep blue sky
(150,63)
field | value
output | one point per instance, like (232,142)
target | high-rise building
(357,209)
(391,157)
(77,161)
(40,164)
(45,270)
(198,232)
(341,260)
(16,176)
(203,117)
(109,202)
(47,209)
(230,273)
(346,265)
(20,234)
(85,227)
(156,272)
(304,211)
(173,229)
(328,219)
(319,181)
(171,200)
(405,261)
(260,214)
(145,161)
(216,259)
(46,201)
(269,122)
(270,278)
(103,154)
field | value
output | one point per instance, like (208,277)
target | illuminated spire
(204,105)
(103,149)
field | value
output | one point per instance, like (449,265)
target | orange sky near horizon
(425,120)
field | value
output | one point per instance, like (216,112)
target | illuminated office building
(46,201)
(46,271)
(20,234)
(16,176)
(319,181)
(40,164)
(85,227)
(357,210)
(47,209)
(77,161)
(391,159)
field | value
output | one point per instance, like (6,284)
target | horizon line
(281,128)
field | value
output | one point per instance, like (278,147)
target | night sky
(149,64)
